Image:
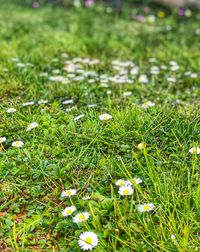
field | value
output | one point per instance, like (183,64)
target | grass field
(49,75)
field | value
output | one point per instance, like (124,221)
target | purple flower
(35,5)
(181,12)
(89,3)
(140,18)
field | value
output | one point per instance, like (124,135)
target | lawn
(99,113)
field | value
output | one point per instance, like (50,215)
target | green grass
(91,155)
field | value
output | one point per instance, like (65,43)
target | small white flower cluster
(87,240)
(19,143)
(126,188)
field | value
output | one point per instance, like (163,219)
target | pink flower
(181,12)
(35,5)
(89,3)
(140,18)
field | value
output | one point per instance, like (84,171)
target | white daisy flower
(142,146)
(104,85)
(125,190)
(68,102)
(86,198)
(17,144)
(20,65)
(137,181)
(122,182)
(68,193)
(42,101)
(148,104)
(79,117)
(173,63)
(174,68)
(11,110)
(87,241)
(2,139)
(127,94)
(146,207)
(56,71)
(105,117)
(92,105)
(143,78)
(32,126)
(80,217)
(155,70)
(64,55)
(194,150)
(163,67)
(171,79)
(188,73)
(194,75)
(28,103)
(45,74)
(173,237)
(68,211)
(152,60)
(134,71)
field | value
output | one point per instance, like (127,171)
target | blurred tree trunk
(118,6)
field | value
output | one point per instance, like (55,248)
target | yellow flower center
(121,183)
(146,208)
(161,14)
(81,217)
(17,143)
(88,240)
(68,192)
(194,151)
(69,211)
(126,191)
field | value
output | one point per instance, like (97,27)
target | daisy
(173,237)
(195,150)
(68,102)
(2,139)
(174,68)
(142,146)
(17,144)
(143,78)
(32,126)
(86,198)
(28,103)
(137,181)
(45,74)
(11,110)
(87,240)
(152,60)
(42,101)
(105,117)
(122,182)
(147,207)
(79,117)
(125,190)
(68,211)
(147,104)
(80,217)
(194,75)
(68,193)
(127,94)
(171,79)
